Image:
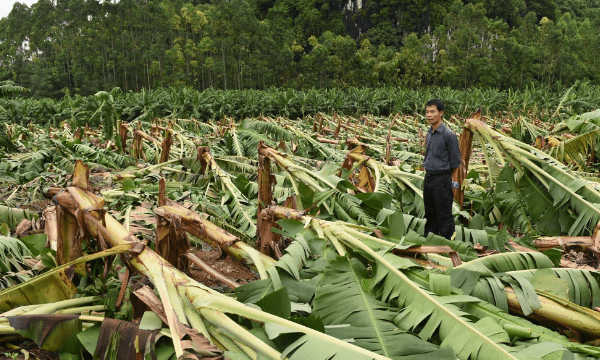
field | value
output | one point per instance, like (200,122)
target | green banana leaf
(581,287)
(569,192)
(342,297)
(13,216)
(508,262)
(514,325)
(56,283)
(506,197)
(585,122)
(430,314)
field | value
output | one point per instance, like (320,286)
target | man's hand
(455,185)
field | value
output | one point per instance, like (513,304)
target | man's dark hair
(439,104)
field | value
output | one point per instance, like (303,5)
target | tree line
(56,47)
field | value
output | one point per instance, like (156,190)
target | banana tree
(584,148)
(191,307)
(239,212)
(560,200)
(429,303)
(107,115)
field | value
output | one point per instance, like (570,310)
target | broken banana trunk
(553,310)
(190,308)
(198,226)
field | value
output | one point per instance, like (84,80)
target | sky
(7,5)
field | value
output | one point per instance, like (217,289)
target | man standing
(442,159)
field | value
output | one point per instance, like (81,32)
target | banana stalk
(207,303)
(555,310)
(208,163)
(198,226)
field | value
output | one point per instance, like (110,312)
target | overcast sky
(7,5)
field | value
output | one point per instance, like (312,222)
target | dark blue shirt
(443,153)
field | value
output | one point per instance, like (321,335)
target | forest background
(81,46)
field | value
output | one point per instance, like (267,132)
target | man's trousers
(437,196)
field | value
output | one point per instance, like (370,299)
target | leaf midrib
(371,315)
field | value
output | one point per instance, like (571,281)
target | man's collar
(439,128)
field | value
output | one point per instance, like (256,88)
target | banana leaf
(568,192)
(581,287)
(514,325)
(56,283)
(342,297)
(428,312)
(13,216)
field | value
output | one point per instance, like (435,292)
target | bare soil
(226,265)
(28,345)
(38,205)
(579,260)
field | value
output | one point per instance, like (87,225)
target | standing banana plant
(107,115)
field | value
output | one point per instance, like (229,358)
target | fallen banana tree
(198,226)
(552,196)
(322,190)
(372,289)
(508,281)
(190,307)
(344,237)
(398,286)
(348,207)
(239,212)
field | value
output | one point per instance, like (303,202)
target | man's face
(433,116)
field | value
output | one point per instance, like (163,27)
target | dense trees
(82,46)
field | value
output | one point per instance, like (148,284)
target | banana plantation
(105,223)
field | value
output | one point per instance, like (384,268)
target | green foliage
(12,258)
(388,304)
(369,321)
(146,106)
(242,44)
(9,88)
(514,210)
(11,217)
